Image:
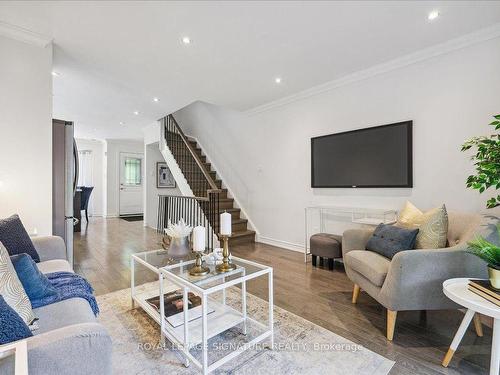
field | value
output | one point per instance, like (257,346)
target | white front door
(131,181)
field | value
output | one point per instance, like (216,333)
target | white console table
(317,219)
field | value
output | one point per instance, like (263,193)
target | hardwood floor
(102,255)
(102,251)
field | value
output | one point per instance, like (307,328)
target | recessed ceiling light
(186,40)
(55,74)
(277,80)
(121,122)
(136,113)
(156,100)
(433,15)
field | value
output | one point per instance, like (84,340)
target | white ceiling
(114,57)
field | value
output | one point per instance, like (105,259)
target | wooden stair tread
(238,221)
(234,209)
(242,233)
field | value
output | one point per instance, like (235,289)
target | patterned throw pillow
(432,225)
(12,290)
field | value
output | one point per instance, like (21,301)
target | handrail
(202,208)
(209,179)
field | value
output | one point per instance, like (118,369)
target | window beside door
(132,171)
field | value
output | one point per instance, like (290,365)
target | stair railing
(203,208)
(193,210)
(199,179)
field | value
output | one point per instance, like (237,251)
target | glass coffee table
(204,311)
(144,274)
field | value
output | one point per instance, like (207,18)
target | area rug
(300,347)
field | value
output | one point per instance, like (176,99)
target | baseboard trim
(280,243)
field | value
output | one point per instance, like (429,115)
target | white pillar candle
(199,239)
(225,224)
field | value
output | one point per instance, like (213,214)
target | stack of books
(173,307)
(484,289)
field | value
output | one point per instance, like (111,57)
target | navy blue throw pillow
(15,238)
(388,240)
(12,326)
(35,283)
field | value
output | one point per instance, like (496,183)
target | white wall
(153,155)
(113,148)
(26,133)
(265,157)
(96,204)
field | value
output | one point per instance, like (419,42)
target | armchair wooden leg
(355,293)
(391,323)
(477,325)
(447,358)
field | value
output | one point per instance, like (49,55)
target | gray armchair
(413,279)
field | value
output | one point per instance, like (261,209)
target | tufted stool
(325,245)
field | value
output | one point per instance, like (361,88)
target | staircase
(204,182)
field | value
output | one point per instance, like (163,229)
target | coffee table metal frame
(200,330)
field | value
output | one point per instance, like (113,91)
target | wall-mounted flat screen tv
(380,156)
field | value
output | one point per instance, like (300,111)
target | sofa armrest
(415,278)
(355,239)
(77,349)
(50,247)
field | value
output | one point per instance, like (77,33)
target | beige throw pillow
(432,225)
(12,290)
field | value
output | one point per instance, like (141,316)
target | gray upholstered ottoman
(325,245)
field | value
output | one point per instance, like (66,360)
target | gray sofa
(413,279)
(69,340)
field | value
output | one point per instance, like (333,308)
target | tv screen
(373,157)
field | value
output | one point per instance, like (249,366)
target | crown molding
(467,40)
(24,35)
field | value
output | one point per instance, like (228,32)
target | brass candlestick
(226,264)
(198,269)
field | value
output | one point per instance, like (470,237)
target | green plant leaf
(486,161)
(486,250)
